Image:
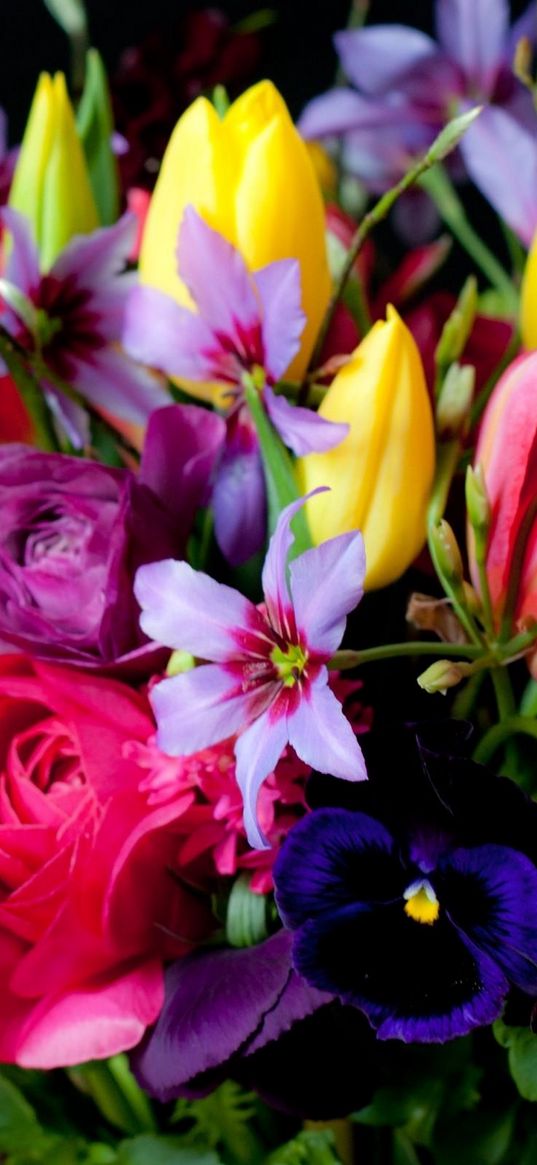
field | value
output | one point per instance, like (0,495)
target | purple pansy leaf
(495,148)
(376,59)
(239,496)
(189,611)
(279,290)
(160,333)
(300,429)
(217,278)
(112,381)
(182,443)
(93,260)
(474,35)
(326,585)
(321,734)
(197,709)
(257,751)
(22,267)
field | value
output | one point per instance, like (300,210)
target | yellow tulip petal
(528,305)
(68,206)
(26,192)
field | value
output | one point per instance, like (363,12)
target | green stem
(447,462)
(505,700)
(442,192)
(113,1088)
(528,703)
(345,660)
(466,698)
(30,392)
(500,733)
(486,602)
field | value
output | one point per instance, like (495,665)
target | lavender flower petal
(217,278)
(23,259)
(163,335)
(197,709)
(188,610)
(112,381)
(376,59)
(494,149)
(257,751)
(322,736)
(300,429)
(279,290)
(474,35)
(326,584)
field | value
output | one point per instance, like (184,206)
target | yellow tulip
(528,305)
(250,176)
(380,476)
(51,185)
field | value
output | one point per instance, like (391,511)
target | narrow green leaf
(165,1150)
(521,1045)
(452,134)
(95,128)
(280,480)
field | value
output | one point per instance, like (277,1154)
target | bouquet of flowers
(268,605)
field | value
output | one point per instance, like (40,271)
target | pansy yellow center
(289,663)
(421,902)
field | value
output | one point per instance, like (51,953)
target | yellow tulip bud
(380,476)
(51,184)
(250,176)
(528,302)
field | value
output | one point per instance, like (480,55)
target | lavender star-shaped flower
(69,321)
(246,330)
(268,681)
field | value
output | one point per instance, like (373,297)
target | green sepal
(95,127)
(246,917)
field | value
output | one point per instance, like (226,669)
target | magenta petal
(279,289)
(197,709)
(112,381)
(217,278)
(326,584)
(376,59)
(494,149)
(474,35)
(322,736)
(163,335)
(258,750)
(181,446)
(302,429)
(188,610)
(23,261)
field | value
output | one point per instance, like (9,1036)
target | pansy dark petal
(333,858)
(490,892)
(215,1001)
(414,981)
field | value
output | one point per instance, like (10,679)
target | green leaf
(403,1150)
(165,1150)
(222,1121)
(95,127)
(310,1147)
(70,14)
(280,480)
(476,1138)
(113,1088)
(521,1045)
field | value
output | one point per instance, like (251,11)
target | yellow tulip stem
(30,392)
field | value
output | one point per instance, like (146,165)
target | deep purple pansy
(74,532)
(416,901)
(407,86)
(70,321)
(268,682)
(247,327)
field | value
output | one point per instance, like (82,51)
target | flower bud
(51,185)
(455,400)
(442,675)
(458,325)
(381,474)
(249,174)
(447,553)
(477,501)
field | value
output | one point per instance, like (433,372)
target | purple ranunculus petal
(257,751)
(326,585)
(376,59)
(322,736)
(239,495)
(215,1000)
(189,611)
(217,278)
(283,320)
(302,429)
(181,446)
(474,35)
(274,577)
(91,261)
(341,110)
(506,929)
(494,148)
(22,267)
(197,709)
(160,333)
(312,869)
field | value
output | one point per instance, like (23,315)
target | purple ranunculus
(247,328)
(246,1014)
(70,320)
(269,681)
(414,898)
(407,86)
(74,532)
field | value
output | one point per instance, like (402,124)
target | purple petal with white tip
(326,584)
(376,59)
(322,736)
(197,709)
(279,290)
(257,751)
(300,429)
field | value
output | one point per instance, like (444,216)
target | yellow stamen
(289,664)
(421,904)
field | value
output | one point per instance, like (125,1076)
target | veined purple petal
(112,381)
(322,736)
(93,260)
(217,279)
(181,446)
(474,35)
(376,59)
(23,261)
(300,429)
(189,611)
(160,333)
(258,750)
(274,577)
(326,585)
(494,148)
(239,495)
(279,289)
(341,110)
(197,709)
(297,1001)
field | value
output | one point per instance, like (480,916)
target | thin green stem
(442,192)
(345,660)
(500,733)
(466,697)
(528,703)
(486,601)
(447,462)
(505,700)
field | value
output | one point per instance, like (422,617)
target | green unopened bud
(452,133)
(472,601)
(477,502)
(179,662)
(459,324)
(447,554)
(443,674)
(455,401)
